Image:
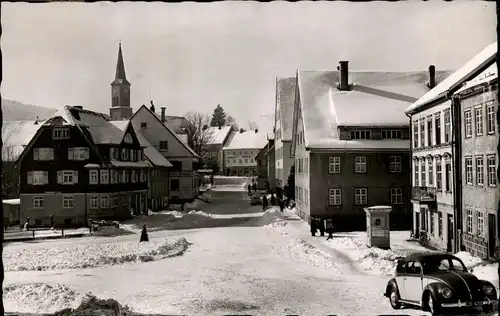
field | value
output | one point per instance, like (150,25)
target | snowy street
(270,270)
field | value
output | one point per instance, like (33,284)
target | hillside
(17,111)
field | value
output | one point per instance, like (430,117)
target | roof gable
(469,70)
(15,136)
(143,113)
(218,135)
(246,140)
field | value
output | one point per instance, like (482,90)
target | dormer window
(361,134)
(392,134)
(124,155)
(60,133)
(128,139)
(144,125)
(163,145)
(133,156)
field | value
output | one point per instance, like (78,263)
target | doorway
(492,233)
(417,225)
(451,239)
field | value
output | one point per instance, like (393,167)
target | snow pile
(469,260)
(82,256)
(201,213)
(480,268)
(91,305)
(301,250)
(112,231)
(40,298)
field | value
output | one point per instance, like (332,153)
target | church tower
(120,92)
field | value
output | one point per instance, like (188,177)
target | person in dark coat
(51,221)
(144,234)
(273,199)
(264,203)
(212,180)
(321,223)
(281,203)
(313,227)
(329,229)
(254,186)
(249,187)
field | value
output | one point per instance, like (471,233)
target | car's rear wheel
(394,298)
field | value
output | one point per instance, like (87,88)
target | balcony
(423,194)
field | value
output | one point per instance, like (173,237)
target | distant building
(477,107)
(437,170)
(351,144)
(217,138)
(240,151)
(285,99)
(266,166)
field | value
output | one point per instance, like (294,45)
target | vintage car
(438,282)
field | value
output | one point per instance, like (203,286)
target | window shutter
(111,154)
(45,177)
(51,153)
(87,153)
(30,177)
(71,154)
(36,154)
(75,176)
(59,177)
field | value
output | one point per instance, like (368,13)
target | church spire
(120,76)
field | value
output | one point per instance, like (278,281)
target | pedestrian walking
(313,227)
(144,234)
(281,203)
(212,180)
(264,203)
(52,221)
(321,227)
(329,229)
(254,186)
(27,224)
(249,187)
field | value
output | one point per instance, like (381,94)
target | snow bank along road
(251,270)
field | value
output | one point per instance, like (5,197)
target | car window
(413,267)
(444,265)
(400,268)
(457,265)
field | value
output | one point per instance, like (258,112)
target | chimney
(432,76)
(344,76)
(163,114)
(256,131)
(36,121)
(241,130)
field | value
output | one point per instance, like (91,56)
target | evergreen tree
(218,117)
(290,185)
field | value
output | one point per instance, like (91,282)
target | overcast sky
(193,56)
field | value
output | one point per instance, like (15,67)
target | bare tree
(10,174)
(198,133)
(252,125)
(230,121)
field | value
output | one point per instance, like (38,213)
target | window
(416,172)
(440,224)
(116,200)
(105,176)
(140,155)
(334,164)
(43,154)
(38,177)
(478,112)
(114,153)
(492,172)
(93,176)
(395,164)
(163,145)
(468,123)
(415,135)
(123,176)
(246,160)
(480,223)
(60,133)
(447,169)
(128,139)
(430,171)
(132,177)
(68,201)
(174,184)
(468,170)
(396,196)
(94,202)
(104,201)
(144,124)
(447,126)
(439,174)
(437,123)
(422,132)
(335,196)
(480,170)
(78,153)
(136,176)
(360,135)
(392,134)
(143,176)
(423,181)
(114,176)
(490,117)
(360,164)
(361,196)
(67,177)
(133,155)
(38,202)
(469,221)
(429,131)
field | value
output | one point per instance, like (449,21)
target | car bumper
(470,304)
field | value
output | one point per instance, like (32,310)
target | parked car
(438,282)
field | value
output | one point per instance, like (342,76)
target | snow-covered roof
(479,61)
(246,140)
(183,138)
(131,164)
(374,99)
(489,74)
(99,125)
(16,135)
(12,201)
(395,144)
(175,123)
(154,156)
(285,98)
(218,135)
